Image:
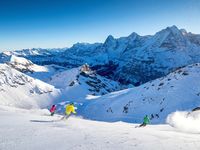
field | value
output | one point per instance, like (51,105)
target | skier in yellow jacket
(69,109)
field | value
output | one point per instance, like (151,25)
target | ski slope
(178,91)
(34,130)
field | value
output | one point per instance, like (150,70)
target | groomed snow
(32,130)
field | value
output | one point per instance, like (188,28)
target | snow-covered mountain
(179,90)
(20,90)
(78,83)
(23,65)
(36,71)
(68,81)
(35,52)
(134,59)
(142,58)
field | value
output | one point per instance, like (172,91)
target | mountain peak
(169,30)
(173,29)
(110,38)
(133,35)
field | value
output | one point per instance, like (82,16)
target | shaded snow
(63,79)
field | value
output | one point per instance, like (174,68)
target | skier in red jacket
(53,109)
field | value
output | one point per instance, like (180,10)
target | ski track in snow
(21,131)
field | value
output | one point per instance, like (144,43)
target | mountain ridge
(133,59)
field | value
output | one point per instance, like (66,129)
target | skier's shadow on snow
(42,121)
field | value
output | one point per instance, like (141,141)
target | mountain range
(130,60)
(120,79)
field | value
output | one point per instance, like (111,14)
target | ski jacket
(53,109)
(146,120)
(70,109)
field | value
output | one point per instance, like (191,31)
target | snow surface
(63,79)
(22,129)
(36,71)
(47,73)
(157,99)
(21,63)
(134,59)
(185,121)
(76,85)
(20,90)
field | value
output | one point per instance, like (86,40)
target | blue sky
(61,23)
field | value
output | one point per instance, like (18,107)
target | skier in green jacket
(146,121)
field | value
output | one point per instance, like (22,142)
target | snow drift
(185,121)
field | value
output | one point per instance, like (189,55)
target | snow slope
(22,130)
(179,90)
(76,84)
(36,71)
(24,65)
(20,90)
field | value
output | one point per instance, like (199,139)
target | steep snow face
(79,82)
(157,56)
(177,91)
(65,78)
(20,90)
(170,38)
